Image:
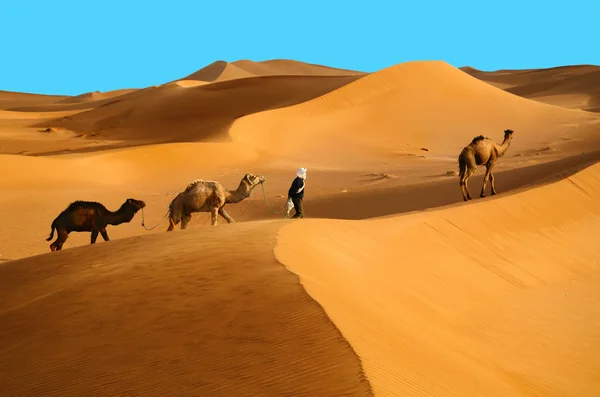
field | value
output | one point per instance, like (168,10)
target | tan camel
(480,151)
(209,196)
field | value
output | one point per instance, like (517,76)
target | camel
(209,196)
(480,151)
(90,216)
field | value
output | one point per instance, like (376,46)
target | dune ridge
(494,298)
(97,95)
(223,71)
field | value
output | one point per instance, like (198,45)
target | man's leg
(298,207)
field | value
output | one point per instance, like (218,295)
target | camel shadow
(376,177)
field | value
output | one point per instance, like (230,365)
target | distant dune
(404,108)
(96,96)
(10,99)
(576,87)
(221,70)
(174,113)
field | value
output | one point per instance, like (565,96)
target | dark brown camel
(90,216)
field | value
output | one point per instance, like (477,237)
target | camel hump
(75,205)
(478,138)
(199,182)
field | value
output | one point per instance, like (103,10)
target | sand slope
(174,113)
(9,99)
(45,186)
(576,87)
(208,313)
(497,298)
(401,109)
(96,96)
(222,71)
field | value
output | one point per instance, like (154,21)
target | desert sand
(394,286)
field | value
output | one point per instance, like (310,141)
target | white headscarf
(301,173)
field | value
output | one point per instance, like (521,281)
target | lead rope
(269,205)
(155,226)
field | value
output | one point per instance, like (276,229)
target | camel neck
(122,215)
(235,196)
(501,149)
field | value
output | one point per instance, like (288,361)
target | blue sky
(72,47)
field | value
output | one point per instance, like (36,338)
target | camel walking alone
(480,151)
(90,216)
(209,196)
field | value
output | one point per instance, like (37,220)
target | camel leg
(492,183)
(60,240)
(462,181)
(464,185)
(104,234)
(214,212)
(99,225)
(185,219)
(488,172)
(94,236)
(225,215)
(171,225)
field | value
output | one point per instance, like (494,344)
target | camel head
(134,204)
(508,134)
(254,180)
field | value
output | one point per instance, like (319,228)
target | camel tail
(462,165)
(52,227)
(174,213)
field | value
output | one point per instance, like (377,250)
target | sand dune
(45,185)
(203,113)
(576,87)
(498,298)
(493,298)
(219,71)
(222,71)
(404,108)
(209,313)
(9,99)
(188,83)
(81,102)
(25,102)
(12,115)
(96,96)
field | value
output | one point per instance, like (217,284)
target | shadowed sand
(206,312)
